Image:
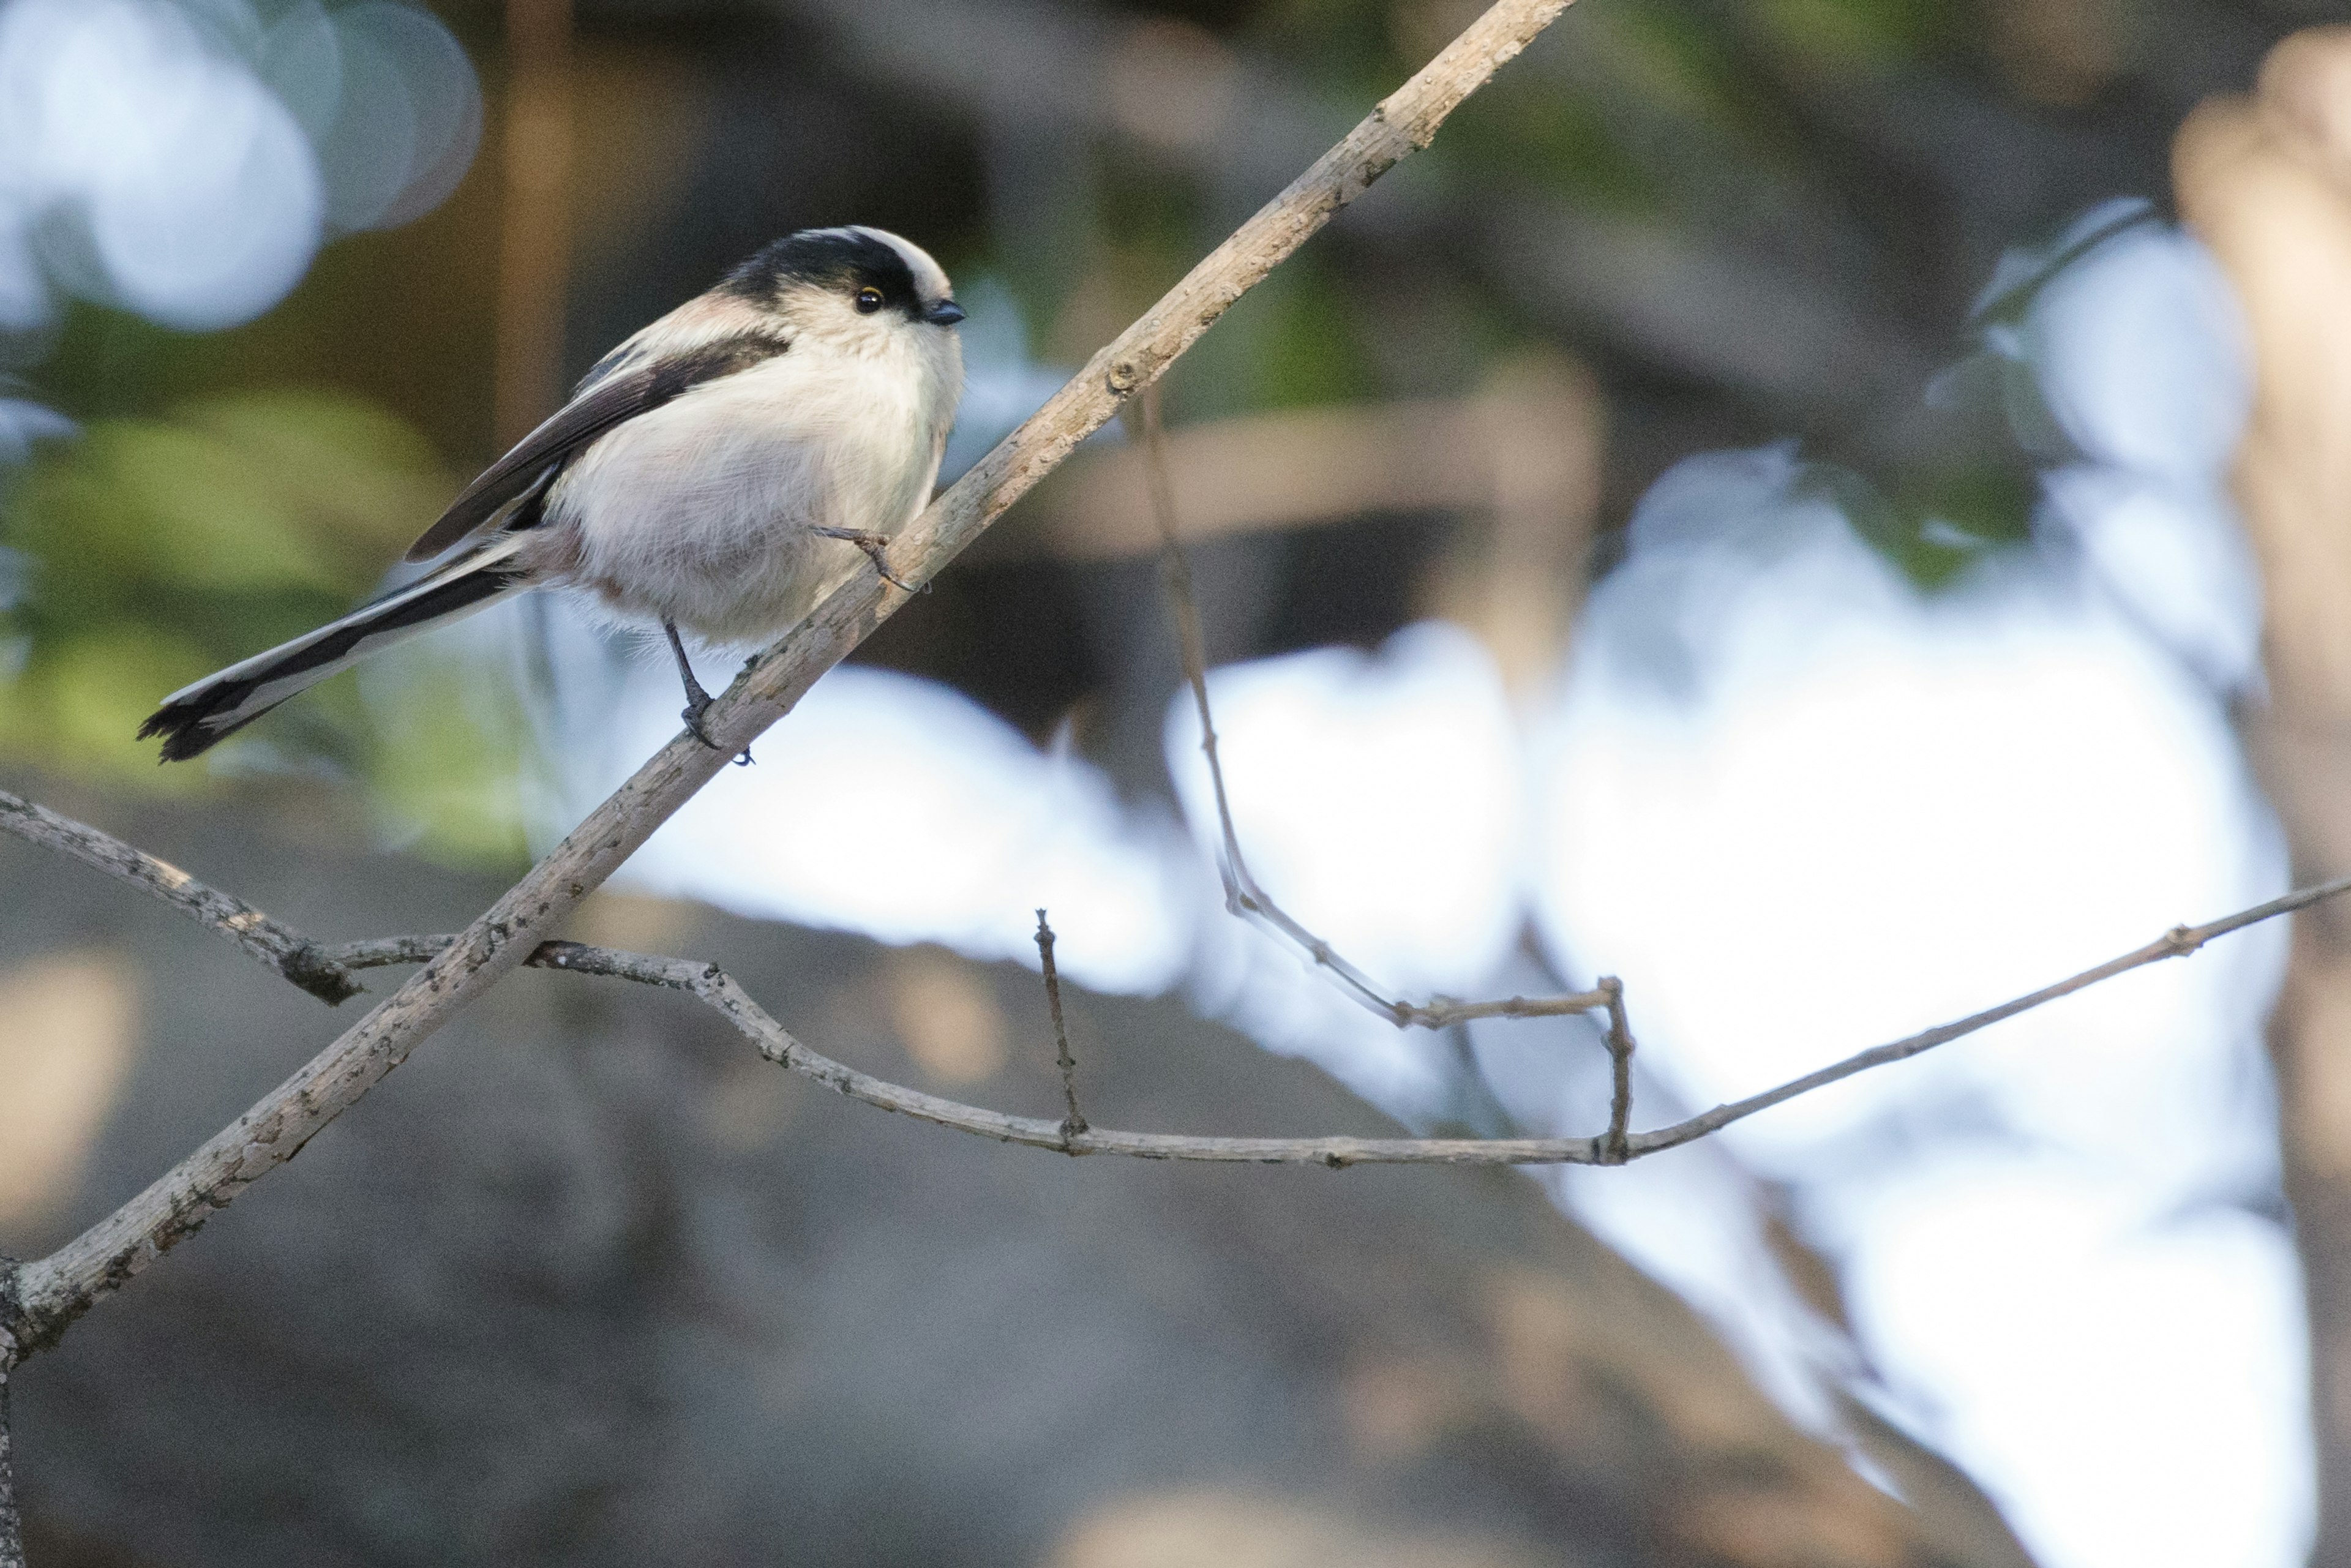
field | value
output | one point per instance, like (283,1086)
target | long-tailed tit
(720,471)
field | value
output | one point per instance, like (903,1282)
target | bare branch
(59,1287)
(1075,1122)
(279,947)
(714,988)
(1243,897)
(1616,1147)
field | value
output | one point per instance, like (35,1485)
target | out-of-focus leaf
(1938,522)
(1311,353)
(153,551)
(448,750)
(1564,142)
(363,481)
(79,699)
(138,502)
(1674,62)
(1855,33)
(280,493)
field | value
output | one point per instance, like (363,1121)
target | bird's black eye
(869,300)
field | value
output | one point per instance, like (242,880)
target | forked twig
(714,987)
(1243,896)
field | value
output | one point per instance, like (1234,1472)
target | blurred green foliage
(1297,340)
(1868,34)
(150,552)
(1938,523)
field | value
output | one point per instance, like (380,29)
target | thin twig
(1244,898)
(60,1287)
(714,988)
(1075,1122)
(2177,943)
(281,947)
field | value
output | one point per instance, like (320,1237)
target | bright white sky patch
(1801,811)
(1378,800)
(2174,560)
(2131,1385)
(2141,350)
(1883,814)
(896,807)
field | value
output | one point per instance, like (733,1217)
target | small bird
(720,472)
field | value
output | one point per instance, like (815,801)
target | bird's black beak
(945,313)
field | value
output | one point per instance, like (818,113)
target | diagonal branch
(278,948)
(1243,897)
(56,1290)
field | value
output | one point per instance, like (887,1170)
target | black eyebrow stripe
(827,257)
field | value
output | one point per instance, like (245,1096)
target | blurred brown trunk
(535,237)
(2266,182)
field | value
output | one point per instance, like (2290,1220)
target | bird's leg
(874,545)
(697,701)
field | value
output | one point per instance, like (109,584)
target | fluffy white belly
(702,511)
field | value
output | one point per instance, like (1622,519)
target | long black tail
(194,718)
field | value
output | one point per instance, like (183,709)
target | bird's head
(854,286)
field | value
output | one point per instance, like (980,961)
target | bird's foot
(692,713)
(874,545)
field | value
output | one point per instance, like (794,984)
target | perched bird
(719,472)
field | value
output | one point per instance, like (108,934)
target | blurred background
(1833,510)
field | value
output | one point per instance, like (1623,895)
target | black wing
(615,399)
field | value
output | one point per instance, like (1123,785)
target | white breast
(700,512)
